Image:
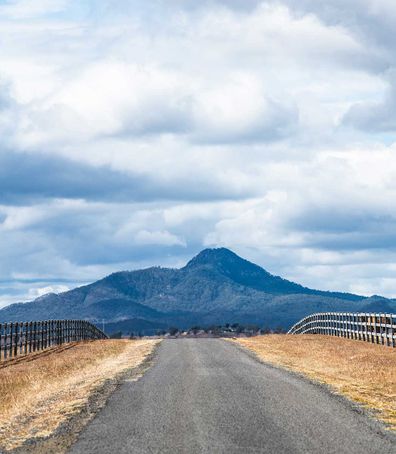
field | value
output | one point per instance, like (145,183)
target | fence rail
(22,338)
(375,328)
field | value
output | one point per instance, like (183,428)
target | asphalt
(208,396)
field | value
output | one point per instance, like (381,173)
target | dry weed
(37,396)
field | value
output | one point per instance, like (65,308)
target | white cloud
(242,77)
(28,9)
(162,237)
(41,291)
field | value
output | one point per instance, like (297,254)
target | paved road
(207,396)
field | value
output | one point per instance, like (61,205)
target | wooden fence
(22,338)
(375,328)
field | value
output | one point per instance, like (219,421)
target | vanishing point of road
(209,396)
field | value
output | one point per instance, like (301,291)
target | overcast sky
(136,133)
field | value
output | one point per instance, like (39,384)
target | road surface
(208,396)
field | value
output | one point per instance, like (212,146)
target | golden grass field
(363,372)
(37,395)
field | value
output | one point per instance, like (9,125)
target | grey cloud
(369,17)
(278,121)
(355,241)
(6,100)
(232,4)
(27,178)
(112,6)
(373,23)
(375,116)
(158,117)
(343,227)
(369,22)
(82,237)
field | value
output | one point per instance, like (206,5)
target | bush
(195,329)
(173,331)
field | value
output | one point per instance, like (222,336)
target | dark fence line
(22,338)
(374,328)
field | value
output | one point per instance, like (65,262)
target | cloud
(222,95)
(28,9)
(159,237)
(375,116)
(114,99)
(135,133)
(240,111)
(41,291)
(27,178)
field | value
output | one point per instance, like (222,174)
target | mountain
(215,287)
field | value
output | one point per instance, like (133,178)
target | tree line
(228,329)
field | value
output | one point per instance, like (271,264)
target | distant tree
(216,330)
(161,332)
(195,329)
(116,335)
(173,330)
(265,330)
(279,330)
(132,336)
(240,329)
(253,328)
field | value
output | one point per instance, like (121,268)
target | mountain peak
(229,264)
(215,256)
(242,272)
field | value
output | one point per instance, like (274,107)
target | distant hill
(215,287)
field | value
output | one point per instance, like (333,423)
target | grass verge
(363,372)
(38,396)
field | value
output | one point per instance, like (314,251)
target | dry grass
(37,396)
(361,371)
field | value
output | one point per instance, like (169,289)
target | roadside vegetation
(227,330)
(40,393)
(363,372)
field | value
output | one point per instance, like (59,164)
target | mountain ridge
(214,287)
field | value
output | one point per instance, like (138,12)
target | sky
(136,133)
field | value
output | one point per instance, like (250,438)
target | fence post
(16,339)
(52,333)
(348,325)
(11,343)
(5,340)
(59,332)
